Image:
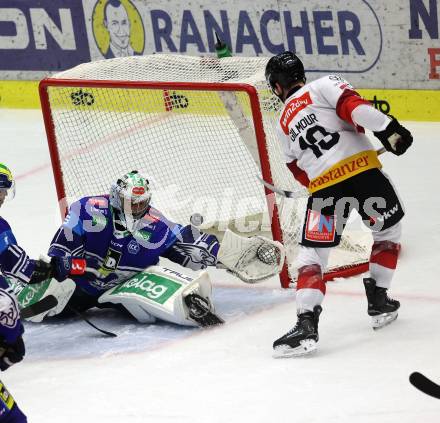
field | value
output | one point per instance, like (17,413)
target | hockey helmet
(131,195)
(7,184)
(285,69)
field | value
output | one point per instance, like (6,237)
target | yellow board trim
(413,105)
(19,95)
(345,169)
(416,105)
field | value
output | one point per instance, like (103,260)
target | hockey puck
(196,219)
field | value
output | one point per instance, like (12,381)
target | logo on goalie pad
(153,287)
(320,228)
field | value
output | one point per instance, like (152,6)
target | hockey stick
(273,188)
(422,383)
(291,194)
(49,302)
(81,315)
(39,307)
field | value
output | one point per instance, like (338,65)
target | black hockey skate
(381,308)
(200,311)
(302,339)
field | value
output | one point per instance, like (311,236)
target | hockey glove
(42,271)
(11,353)
(395,138)
(64,267)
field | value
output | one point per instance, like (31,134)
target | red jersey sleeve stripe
(348,101)
(298,173)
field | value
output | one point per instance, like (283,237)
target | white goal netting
(192,136)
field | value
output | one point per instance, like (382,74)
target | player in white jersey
(321,129)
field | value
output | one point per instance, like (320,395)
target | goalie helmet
(285,69)
(7,184)
(131,195)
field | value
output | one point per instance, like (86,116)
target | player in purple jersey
(15,267)
(13,262)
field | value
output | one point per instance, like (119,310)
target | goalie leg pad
(159,293)
(251,259)
(30,294)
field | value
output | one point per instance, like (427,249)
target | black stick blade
(41,306)
(104,332)
(425,385)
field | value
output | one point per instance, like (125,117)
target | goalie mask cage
(200,128)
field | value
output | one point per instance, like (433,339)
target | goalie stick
(39,307)
(81,315)
(422,383)
(46,303)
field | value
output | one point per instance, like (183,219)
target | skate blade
(382,320)
(307,346)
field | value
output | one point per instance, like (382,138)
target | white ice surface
(163,373)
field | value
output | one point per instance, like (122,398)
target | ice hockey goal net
(200,128)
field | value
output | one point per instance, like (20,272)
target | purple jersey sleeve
(193,249)
(14,262)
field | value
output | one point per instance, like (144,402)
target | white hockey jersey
(316,130)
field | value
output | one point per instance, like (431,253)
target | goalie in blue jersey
(107,251)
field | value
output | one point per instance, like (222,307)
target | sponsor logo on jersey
(116,244)
(388,214)
(78,267)
(345,169)
(320,228)
(97,201)
(111,261)
(292,108)
(133,247)
(143,235)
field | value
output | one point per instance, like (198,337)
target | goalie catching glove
(251,259)
(395,138)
